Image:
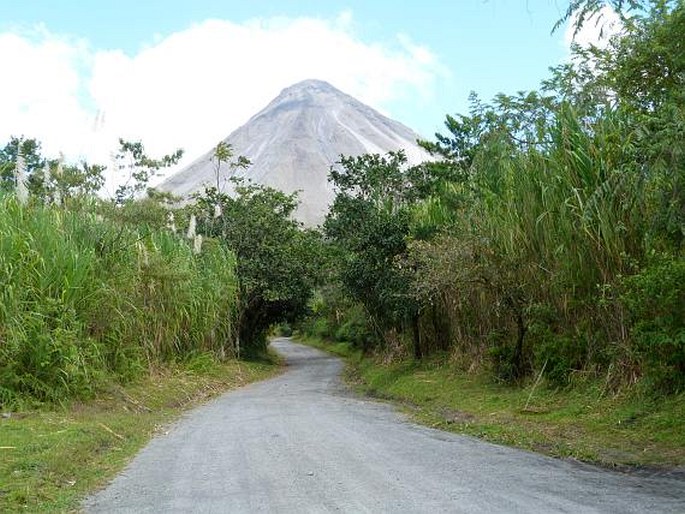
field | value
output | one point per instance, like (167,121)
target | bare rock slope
(294,141)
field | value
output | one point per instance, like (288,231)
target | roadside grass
(51,458)
(341,349)
(585,422)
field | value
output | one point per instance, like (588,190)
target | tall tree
(223,158)
(369,221)
(138,168)
(278,262)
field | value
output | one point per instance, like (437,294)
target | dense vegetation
(278,262)
(547,237)
(84,296)
(93,291)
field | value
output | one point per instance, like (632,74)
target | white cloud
(596,30)
(193,87)
(40,93)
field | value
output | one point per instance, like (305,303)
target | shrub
(655,299)
(284,329)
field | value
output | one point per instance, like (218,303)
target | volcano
(293,142)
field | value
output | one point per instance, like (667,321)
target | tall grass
(84,298)
(531,273)
(566,223)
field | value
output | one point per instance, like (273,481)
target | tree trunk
(518,352)
(416,332)
(441,338)
(517,358)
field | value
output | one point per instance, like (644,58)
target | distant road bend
(301,443)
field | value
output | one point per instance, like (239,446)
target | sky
(79,74)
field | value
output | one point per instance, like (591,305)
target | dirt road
(302,443)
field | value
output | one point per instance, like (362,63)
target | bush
(560,355)
(501,352)
(655,299)
(316,326)
(284,329)
(355,328)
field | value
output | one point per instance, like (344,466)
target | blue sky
(415,61)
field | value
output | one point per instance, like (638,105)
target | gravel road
(301,443)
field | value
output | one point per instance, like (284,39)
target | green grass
(338,348)
(51,459)
(85,299)
(586,422)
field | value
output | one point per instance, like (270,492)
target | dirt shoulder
(587,423)
(50,458)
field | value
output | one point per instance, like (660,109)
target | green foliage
(284,330)
(73,181)
(354,328)
(334,317)
(83,297)
(223,155)
(527,245)
(316,326)
(512,248)
(655,299)
(147,214)
(369,223)
(278,263)
(49,180)
(563,193)
(648,68)
(541,220)
(30,149)
(138,168)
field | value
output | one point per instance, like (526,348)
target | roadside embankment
(50,458)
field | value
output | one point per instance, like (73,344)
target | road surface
(302,443)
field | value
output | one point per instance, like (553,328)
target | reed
(530,264)
(85,298)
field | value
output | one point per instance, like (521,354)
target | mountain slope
(294,140)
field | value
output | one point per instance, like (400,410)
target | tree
(71,181)
(646,69)
(139,168)
(34,161)
(642,72)
(369,222)
(278,262)
(49,179)
(223,153)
